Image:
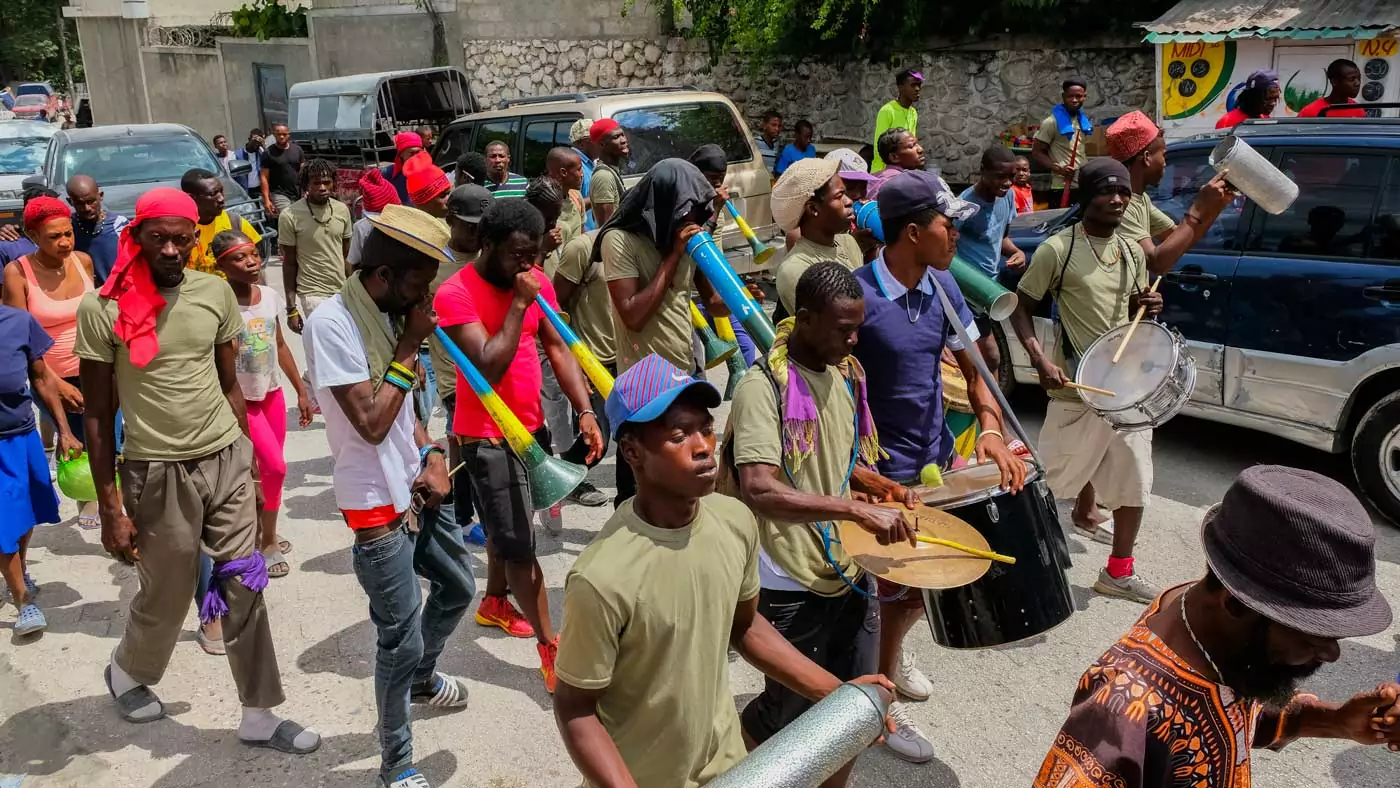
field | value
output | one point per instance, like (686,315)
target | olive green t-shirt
(591,312)
(1093,294)
(606,186)
(805,254)
(174,407)
(631,256)
(571,216)
(647,617)
(756,422)
(1061,147)
(444,368)
(319,235)
(1142,219)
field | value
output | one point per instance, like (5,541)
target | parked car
(22,147)
(661,122)
(128,161)
(35,89)
(32,106)
(1293,320)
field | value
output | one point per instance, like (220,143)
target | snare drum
(1151,382)
(1010,602)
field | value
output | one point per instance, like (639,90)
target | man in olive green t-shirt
(1059,144)
(605,189)
(796,492)
(313,236)
(643,696)
(811,197)
(187,474)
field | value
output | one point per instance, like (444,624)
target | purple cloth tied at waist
(253,572)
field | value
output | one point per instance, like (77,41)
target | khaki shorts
(1078,447)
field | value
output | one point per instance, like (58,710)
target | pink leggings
(267,427)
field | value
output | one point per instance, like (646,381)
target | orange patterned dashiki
(1143,718)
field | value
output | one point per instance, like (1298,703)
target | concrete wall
(186,86)
(484,19)
(378,36)
(239,55)
(109,47)
(988,89)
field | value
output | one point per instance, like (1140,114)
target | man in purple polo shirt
(901,346)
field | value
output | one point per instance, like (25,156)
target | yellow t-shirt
(1142,219)
(630,256)
(201,257)
(174,408)
(647,617)
(755,423)
(592,309)
(1061,146)
(805,254)
(1093,293)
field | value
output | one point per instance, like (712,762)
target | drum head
(968,484)
(1149,359)
(927,565)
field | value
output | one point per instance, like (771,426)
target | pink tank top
(59,317)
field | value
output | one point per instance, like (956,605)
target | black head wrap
(671,193)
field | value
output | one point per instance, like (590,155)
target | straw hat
(415,229)
(796,186)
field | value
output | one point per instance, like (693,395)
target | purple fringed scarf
(253,571)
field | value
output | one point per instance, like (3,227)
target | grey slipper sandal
(275,559)
(133,700)
(284,740)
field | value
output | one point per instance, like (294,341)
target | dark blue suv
(1293,320)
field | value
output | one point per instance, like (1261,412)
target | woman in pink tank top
(50,284)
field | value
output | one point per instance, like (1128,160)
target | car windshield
(31,101)
(136,160)
(676,130)
(23,155)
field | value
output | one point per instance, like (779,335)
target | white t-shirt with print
(257,347)
(365,476)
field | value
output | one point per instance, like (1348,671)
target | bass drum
(1010,602)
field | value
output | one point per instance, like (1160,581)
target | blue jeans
(409,643)
(425,400)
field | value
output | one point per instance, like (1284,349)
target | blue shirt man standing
(95,232)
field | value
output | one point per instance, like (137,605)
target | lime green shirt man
(893,116)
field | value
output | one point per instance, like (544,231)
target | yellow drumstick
(1142,310)
(1069,384)
(987,554)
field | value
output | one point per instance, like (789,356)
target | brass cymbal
(924,566)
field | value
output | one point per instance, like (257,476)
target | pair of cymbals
(925,565)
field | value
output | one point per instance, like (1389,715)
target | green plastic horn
(716,350)
(551,479)
(735,363)
(982,291)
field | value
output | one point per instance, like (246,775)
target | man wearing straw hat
(1098,278)
(489,310)
(389,478)
(1212,668)
(811,197)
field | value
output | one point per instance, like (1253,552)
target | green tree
(29,48)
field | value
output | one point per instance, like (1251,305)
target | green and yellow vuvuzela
(716,349)
(597,374)
(734,364)
(551,479)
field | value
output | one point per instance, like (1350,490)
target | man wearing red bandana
(159,339)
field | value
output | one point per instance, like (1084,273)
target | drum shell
(1253,175)
(1158,405)
(1011,602)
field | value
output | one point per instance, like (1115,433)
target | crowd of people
(160,341)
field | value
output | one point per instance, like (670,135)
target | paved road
(991,718)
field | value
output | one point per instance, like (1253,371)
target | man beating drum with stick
(1100,279)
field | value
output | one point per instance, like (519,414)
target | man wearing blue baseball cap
(902,341)
(653,604)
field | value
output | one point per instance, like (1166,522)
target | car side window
(454,143)
(1186,172)
(540,136)
(505,130)
(1385,236)
(1332,216)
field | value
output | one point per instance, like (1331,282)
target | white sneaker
(909,680)
(407,779)
(907,741)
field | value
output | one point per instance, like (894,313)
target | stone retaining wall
(985,90)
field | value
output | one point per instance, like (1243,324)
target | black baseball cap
(469,202)
(912,191)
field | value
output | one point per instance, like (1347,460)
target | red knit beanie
(425,179)
(375,192)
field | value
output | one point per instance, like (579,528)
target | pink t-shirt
(466,298)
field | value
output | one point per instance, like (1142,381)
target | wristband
(292,312)
(393,379)
(985,433)
(588,412)
(431,448)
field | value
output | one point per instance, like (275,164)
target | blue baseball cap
(912,191)
(644,392)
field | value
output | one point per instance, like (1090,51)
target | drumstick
(1142,310)
(1069,384)
(987,554)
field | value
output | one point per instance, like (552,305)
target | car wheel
(1006,370)
(1375,456)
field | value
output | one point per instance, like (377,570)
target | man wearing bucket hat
(643,695)
(361,347)
(1098,279)
(1212,668)
(1137,142)
(810,197)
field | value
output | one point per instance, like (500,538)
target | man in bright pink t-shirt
(489,311)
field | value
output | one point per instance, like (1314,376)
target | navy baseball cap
(912,191)
(644,392)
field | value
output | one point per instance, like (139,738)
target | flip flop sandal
(133,700)
(285,546)
(89,522)
(277,565)
(284,740)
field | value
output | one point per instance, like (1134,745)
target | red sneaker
(548,653)
(497,611)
